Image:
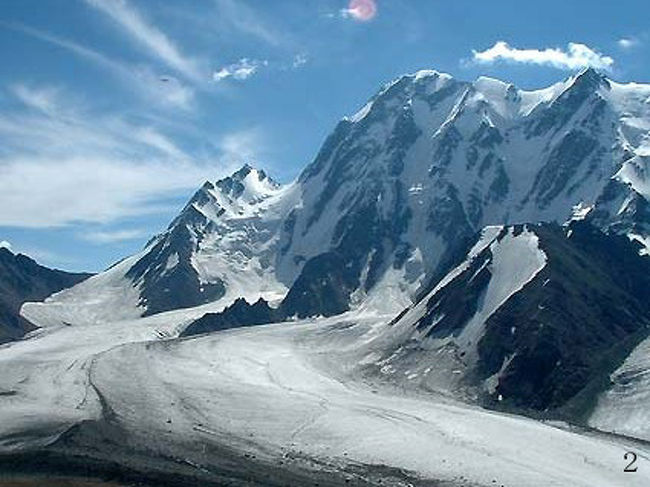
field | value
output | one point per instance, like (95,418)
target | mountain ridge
(426,163)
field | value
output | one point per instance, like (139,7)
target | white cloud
(241,70)
(235,14)
(149,36)
(243,146)
(68,129)
(576,56)
(299,60)
(142,80)
(44,192)
(44,100)
(72,165)
(5,245)
(114,236)
(628,43)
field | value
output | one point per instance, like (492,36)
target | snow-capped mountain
(473,240)
(222,243)
(220,247)
(431,160)
(424,165)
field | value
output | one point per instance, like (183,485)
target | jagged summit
(249,183)
(236,195)
(591,75)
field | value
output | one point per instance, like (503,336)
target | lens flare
(362,10)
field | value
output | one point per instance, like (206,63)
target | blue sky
(113,111)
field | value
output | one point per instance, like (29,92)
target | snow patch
(516,260)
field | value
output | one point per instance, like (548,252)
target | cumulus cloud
(575,56)
(241,70)
(140,79)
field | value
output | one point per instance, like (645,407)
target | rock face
(534,318)
(22,279)
(397,188)
(239,314)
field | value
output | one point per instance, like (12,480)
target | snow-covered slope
(220,247)
(281,396)
(625,407)
(22,279)
(535,318)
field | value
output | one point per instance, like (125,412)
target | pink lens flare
(363,10)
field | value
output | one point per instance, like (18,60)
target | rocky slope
(533,318)
(22,279)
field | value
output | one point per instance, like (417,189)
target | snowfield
(276,391)
(623,408)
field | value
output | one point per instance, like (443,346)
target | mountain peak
(247,180)
(589,78)
(243,171)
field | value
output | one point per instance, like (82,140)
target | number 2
(630,467)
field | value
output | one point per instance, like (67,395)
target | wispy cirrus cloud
(43,100)
(575,56)
(148,36)
(114,236)
(242,146)
(237,15)
(62,163)
(67,120)
(140,79)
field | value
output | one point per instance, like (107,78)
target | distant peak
(207,185)
(589,71)
(5,250)
(589,77)
(245,180)
(242,172)
(247,169)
